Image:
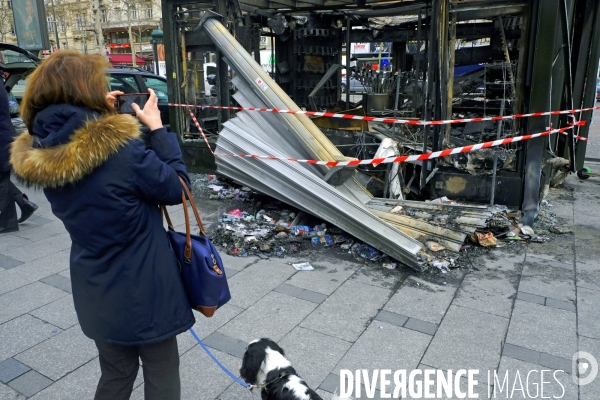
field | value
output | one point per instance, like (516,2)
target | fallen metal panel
(293,184)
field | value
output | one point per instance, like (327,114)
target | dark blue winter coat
(7,130)
(106,188)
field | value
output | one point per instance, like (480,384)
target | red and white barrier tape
(200,130)
(414,157)
(389,120)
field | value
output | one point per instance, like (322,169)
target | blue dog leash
(235,378)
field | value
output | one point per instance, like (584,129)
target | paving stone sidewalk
(513,312)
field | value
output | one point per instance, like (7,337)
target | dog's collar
(266,384)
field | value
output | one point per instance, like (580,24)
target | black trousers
(120,364)
(8,210)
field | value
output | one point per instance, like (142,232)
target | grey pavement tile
(313,354)
(290,290)
(346,313)
(531,298)
(236,263)
(561,248)
(46,219)
(10,369)
(421,326)
(556,363)
(41,248)
(325,279)
(61,354)
(59,282)
(375,275)
(467,339)
(385,346)
(226,344)
(79,384)
(10,241)
(588,313)
(311,296)
(60,313)
(205,326)
(7,393)
(517,379)
(30,383)
(201,377)
(521,353)
(547,281)
(273,316)
(42,230)
(66,273)
(475,386)
(563,305)
(490,291)
(391,318)
(425,301)
(12,339)
(255,281)
(545,329)
(332,384)
(502,261)
(32,271)
(591,390)
(588,274)
(27,298)
(551,263)
(7,262)
(235,392)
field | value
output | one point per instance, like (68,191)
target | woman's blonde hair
(67,77)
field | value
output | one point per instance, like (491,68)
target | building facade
(72,25)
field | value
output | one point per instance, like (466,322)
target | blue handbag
(200,265)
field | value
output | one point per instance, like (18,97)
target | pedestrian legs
(160,363)
(8,211)
(119,366)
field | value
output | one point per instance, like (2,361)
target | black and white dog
(265,366)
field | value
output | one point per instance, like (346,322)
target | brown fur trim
(89,147)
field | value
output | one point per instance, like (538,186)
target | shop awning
(124,59)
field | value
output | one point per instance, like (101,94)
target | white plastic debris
(389,265)
(442,265)
(303,266)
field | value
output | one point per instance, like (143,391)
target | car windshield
(8,57)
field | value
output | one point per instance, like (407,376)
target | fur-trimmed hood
(68,143)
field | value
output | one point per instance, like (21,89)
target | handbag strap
(188,240)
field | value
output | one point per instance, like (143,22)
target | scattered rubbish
(434,246)
(560,230)
(303,266)
(249,239)
(396,210)
(365,251)
(539,239)
(301,230)
(442,200)
(526,230)
(442,265)
(484,239)
(389,265)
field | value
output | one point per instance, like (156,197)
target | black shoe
(27,210)
(6,230)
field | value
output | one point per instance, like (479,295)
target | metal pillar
(542,48)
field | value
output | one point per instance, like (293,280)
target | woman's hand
(149,115)
(111,97)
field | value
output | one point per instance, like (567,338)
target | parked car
(17,63)
(136,81)
(356,86)
(597,89)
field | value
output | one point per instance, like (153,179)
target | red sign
(119,46)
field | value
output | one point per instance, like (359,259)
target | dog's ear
(253,359)
(272,345)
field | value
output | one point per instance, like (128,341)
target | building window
(133,13)
(80,21)
(103,16)
(149,12)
